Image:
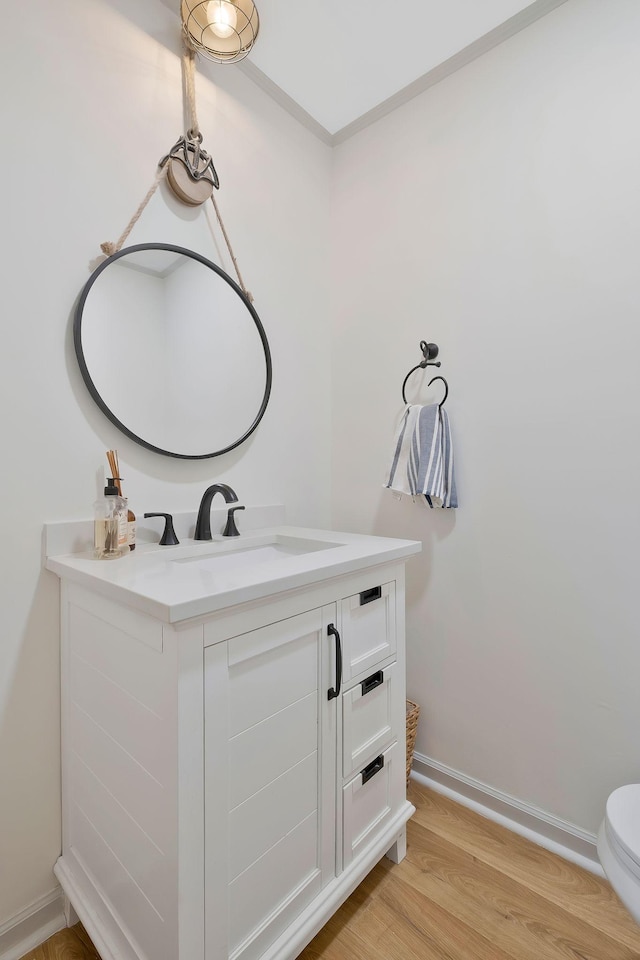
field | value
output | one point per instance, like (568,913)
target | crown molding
(284,100)
(482,45)
(467,55)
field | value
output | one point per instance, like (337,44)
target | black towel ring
(446,389)
(429,351)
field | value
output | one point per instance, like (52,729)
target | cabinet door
(270,745)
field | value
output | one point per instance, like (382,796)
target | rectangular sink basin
(240,556)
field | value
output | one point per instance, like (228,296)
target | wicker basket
(413,713)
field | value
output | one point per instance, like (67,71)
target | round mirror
(172,351)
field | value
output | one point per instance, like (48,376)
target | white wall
(92,100)
(498,215)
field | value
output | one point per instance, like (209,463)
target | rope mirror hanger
(188,169)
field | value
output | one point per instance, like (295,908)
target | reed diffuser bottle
(112,457)
(109,536)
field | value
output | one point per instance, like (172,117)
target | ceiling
(338,65)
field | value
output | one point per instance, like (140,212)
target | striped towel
(423,456)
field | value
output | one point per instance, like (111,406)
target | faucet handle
(231,530)
(168,538)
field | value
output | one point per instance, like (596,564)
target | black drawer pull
(374,593)
(372,768)
(372,682)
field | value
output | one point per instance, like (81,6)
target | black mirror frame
(86,376)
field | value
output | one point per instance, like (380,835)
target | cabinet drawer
(368,800)
(369,710)
(368,628)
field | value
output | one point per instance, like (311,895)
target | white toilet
(619,845)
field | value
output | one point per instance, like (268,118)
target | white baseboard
(32,926)
(552,833)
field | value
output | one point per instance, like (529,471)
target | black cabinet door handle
(372,768)
(336,692)
(372,682)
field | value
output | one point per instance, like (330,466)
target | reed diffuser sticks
(112,457)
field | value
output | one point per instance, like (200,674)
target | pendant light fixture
(221,30)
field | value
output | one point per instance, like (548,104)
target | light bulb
(222,18)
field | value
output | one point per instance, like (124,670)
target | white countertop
(198,578)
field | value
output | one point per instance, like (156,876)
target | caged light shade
(221,30)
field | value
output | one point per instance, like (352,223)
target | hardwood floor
(71,944)
(467,890)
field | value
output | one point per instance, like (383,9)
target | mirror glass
(172,351)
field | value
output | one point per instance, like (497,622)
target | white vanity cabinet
(221,795)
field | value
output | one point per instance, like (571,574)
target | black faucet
(203,523)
